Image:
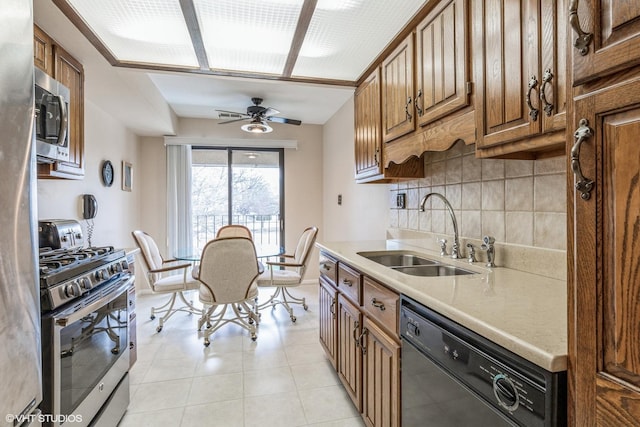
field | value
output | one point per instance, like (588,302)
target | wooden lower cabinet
(349,354)
(363,343)
(381,377)
(328,296)
(604,254)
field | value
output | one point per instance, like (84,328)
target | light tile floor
(282,379)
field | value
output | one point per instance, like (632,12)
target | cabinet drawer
(328,268)
(381,304)
(349,282)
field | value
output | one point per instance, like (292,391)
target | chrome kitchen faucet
(455,250)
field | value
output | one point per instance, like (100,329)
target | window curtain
(179,217)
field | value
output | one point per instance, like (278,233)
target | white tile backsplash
(520,202)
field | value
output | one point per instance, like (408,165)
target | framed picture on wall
(127,176)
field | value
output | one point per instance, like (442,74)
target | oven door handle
(73,317)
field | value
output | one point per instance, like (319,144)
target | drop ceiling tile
(344,37)
(248,35)
(141,31)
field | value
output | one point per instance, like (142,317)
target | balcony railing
(265,228)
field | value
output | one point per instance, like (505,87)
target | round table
(262,251)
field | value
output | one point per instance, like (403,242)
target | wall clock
(107,173)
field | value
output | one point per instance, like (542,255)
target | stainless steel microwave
(51,119)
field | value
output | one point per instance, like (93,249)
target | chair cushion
(175,283)
(280,278)
(205,296)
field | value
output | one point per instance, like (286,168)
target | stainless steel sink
(433,270)
(415,265)
(397,258)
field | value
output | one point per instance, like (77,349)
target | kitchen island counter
(523,312)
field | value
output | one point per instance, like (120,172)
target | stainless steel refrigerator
(20,360)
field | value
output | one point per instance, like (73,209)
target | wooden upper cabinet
(442,72)
(519,67)
(368,131)
(611,37)
(398,115)
(43,51)
(604,254)
(60,65)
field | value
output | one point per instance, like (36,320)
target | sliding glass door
(238,186)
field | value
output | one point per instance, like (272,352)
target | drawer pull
(356,325)
(326,267)
(378,304)
(347,282)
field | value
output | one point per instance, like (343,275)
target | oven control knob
(85,283)
(506,392)
(116,268)
(72,290)
(102,274)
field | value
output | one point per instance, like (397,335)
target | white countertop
(523,312)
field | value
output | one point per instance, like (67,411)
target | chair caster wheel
(305,306)
(159,329)
(206,342)
(293,319)
(254,337)
(152,317)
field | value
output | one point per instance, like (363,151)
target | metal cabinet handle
(406,109)
(378,304)
(583,185)
(533,112)
(418,108)
(375,157)
(363,342)
(332,308)
(584,39)
(347,282)
(326,267)
(546,78)
(356,325)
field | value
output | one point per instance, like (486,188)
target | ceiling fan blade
(284,120)
(231,112)
(270,112)
(234,120)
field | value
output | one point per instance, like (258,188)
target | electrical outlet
(401,200)
(339,199)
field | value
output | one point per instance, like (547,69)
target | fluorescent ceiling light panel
(141,31)
(344,37)
(248,35)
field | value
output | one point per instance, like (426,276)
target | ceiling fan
(259,117)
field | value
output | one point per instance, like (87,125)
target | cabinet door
(42,50)
(442,72)
(604,286)
(328,320)
(506,58)
(397,92)
(381,372)
(70,73)
(349,355)
(368,133)
(613,41)
(553,81)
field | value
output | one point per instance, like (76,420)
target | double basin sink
(415,265)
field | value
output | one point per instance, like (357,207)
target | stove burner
(53,260)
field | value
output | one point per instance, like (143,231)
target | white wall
(105,139)
(303,177)
(364,213)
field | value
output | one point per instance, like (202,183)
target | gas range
(69,273)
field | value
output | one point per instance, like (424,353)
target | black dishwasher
(452,376)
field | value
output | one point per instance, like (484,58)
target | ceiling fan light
(257,126)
